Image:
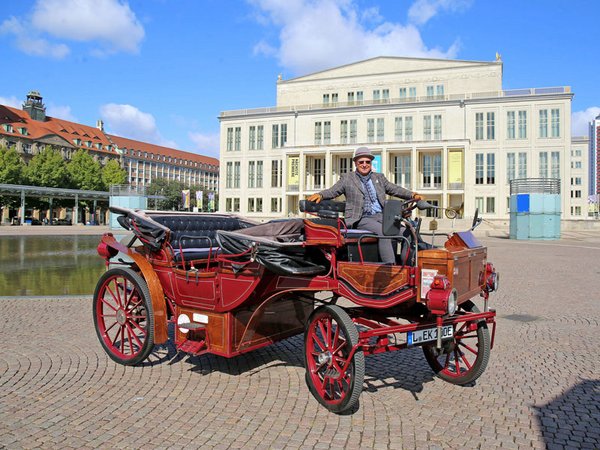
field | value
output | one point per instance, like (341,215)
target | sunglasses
(364,162)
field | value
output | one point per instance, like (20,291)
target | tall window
(275,136)
(402,92)
(359,96)
(259,174)
(555,122)
(283,135)
(402,170)
(229,175)
(334,98)
(318,132)
(252,138)
(276,175)
(398,129)
(236,174)
(479,126)
(350,97)
(479,204)
(522,124)
(327,132)
(522,165)
(429,91)
(510,124)
(319,173)
(510,167)
(251,174)
(479,168)
(275,204)
(229,139)
(491,126)
(238,139)
(344,132)
(385,94)
(250,205)
(370,130)
(412,92)
(408,128)
(437,127)
(491,168)
(325,99)
(353,127)
(490,205)
(380,130)
(439,90)
(543,123)
(344,166)
(376,95)
(543,164)
(555,165)
(279,135)
(427,126)
(260,131)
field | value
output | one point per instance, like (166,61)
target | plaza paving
(58,389)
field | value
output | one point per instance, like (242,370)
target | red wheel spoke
(135,336)
(335,338)
(456,362)
(109,328)
(466,361)
(137,325)
(118,290)
(472,350)
(129,339)
(115,298)
(446,364)
(316,339)
(339,349)
(323,333)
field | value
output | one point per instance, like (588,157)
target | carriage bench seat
(193,235)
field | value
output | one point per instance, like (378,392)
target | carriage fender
(156,291)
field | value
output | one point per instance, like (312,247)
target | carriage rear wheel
(334,377)
(464,358)
(123,316)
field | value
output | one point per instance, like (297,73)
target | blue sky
(161,71)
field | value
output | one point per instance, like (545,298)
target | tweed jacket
(351,186)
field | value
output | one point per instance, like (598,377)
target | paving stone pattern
(58,389)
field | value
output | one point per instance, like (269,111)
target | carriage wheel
(463,359)
(123,316)
(328,340)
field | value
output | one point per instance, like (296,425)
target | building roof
(16,123)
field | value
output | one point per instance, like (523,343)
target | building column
(50,210)
(76,210)
(22,207)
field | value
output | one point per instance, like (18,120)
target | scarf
(369,193)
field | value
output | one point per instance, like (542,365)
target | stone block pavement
(58,389)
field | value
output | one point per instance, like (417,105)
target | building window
(543,123)
(510,167)
(228,205)
(359,96)
(236,175)
(402,170)
(437,127)
(543,164)
(555,165)
(344,166)
(427,127)
(478,126)
(251,174)
(479,168)
(555,122)
(327,132)
(370,130)
(344,132)
(380,130)
(385,93)
(490,205)
(276,173)
(318,173)
(353,127)
(429,91)
(259,174)
(522,124)
(402,93)
(275,136)
(412,92)
(479,204)
(510,125)
(398,129)
(325,99)
(522,165)
(491,126)
(250,205)
(350,100)
(439,90)
(491,168)
(376,95)
(252,138)
(318,132)
(229,175)
(259,204)
(236,205)
(432,170)
(408,128)
(260,131)
(238,139)
(274,204)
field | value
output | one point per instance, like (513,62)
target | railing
(403,100)
(535,186)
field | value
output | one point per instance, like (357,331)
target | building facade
(594,158)
(29,130)
(444,128)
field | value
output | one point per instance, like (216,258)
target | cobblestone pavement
(58,389)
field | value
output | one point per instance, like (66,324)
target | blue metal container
(535,208)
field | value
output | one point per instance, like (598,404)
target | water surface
(49,265)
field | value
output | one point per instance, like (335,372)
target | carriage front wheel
(333,374)
(123,316)
(464,358)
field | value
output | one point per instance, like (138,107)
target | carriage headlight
(452,304)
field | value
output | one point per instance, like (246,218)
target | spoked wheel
(123,316)
(334,378)
(464,358)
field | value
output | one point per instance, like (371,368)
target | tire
(123,316)
(459,362)
(329,338)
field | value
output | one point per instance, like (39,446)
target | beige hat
(363,152)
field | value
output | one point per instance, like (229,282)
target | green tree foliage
(85,172)
(47,168)
(171,190)
(11,172)
(112,173)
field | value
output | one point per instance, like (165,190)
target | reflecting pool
(49,265)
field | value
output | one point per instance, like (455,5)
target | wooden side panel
(373,279)
(216,327)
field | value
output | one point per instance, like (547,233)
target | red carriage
(229,286)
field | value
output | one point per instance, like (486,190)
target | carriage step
(192,346)
(190,326)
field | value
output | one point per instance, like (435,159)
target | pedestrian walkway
(59,389)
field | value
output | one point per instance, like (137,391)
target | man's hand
(314,198)
(417,197)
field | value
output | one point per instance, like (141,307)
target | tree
(112,173)
(11,172)
(171,190)
(85,172)
(47,168)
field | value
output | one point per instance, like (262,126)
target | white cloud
(108,21)
(580,120)
(61,112)
(11,101)
(27,41)
(206,144)
(110,25)
(422,10)
(129,122)
(317,34)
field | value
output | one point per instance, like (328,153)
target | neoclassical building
(444,128)
(29,130)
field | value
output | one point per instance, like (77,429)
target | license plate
(429,334)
